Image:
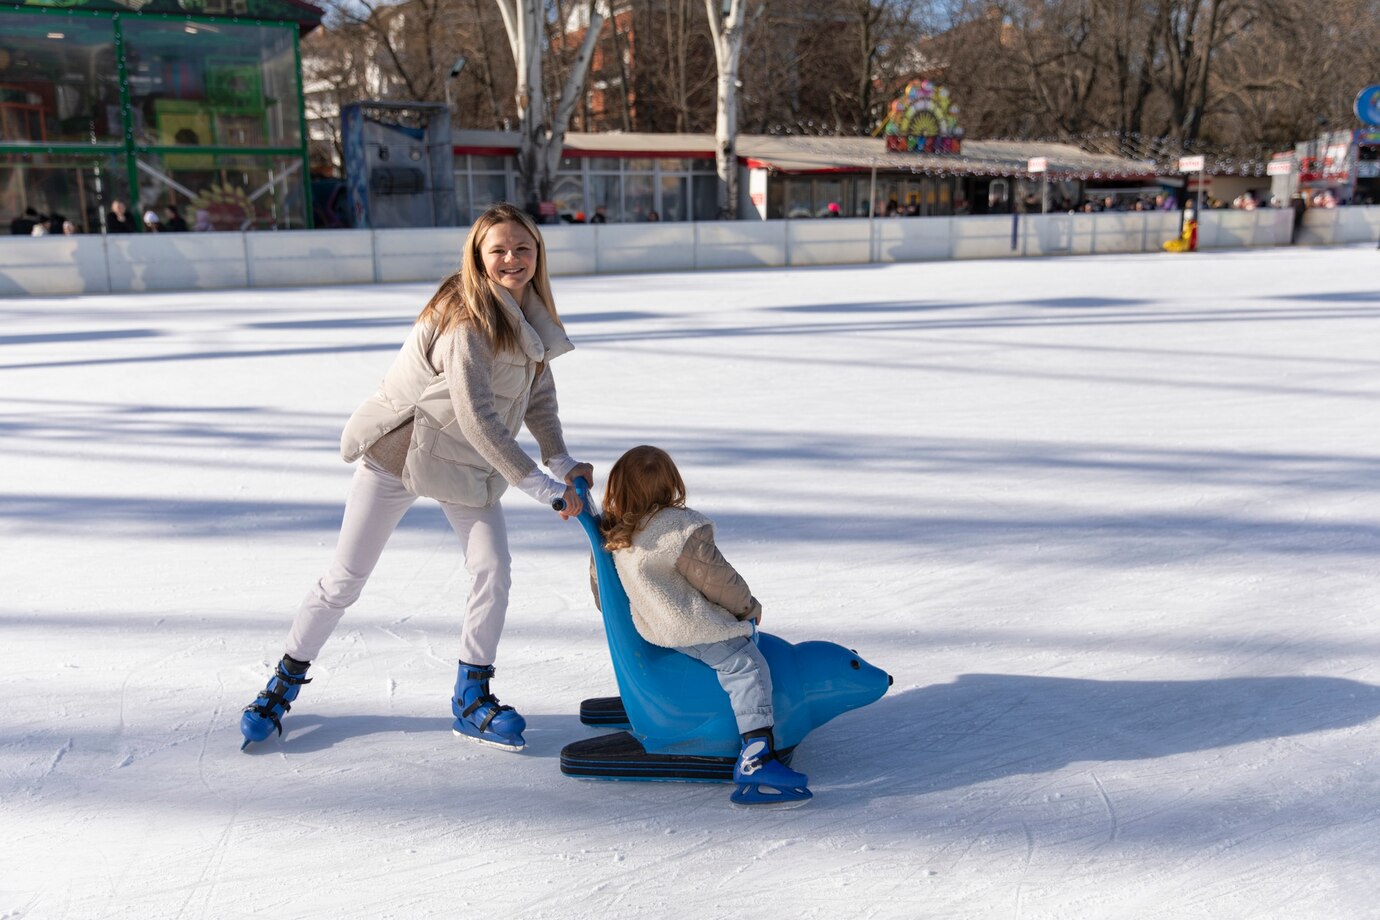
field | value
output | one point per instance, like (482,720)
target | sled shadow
(984,727)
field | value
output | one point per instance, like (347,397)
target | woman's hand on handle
(581,471)
(569,504)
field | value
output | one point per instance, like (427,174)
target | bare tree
(726,27)
(542,128)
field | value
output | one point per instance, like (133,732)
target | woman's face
(510,257)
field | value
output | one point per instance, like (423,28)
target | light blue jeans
(744,674)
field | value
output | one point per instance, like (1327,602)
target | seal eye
(854,665)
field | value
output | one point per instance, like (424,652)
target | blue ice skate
(478,714)
(763,780)
(265,714)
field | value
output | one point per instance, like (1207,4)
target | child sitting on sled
(684,595)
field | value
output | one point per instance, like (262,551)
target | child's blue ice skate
(265,714)
(763,780)
(478,714)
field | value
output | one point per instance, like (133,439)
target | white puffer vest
(441,464)
(666,609)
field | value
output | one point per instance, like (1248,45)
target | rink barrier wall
(57,265)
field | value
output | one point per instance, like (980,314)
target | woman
(474,369)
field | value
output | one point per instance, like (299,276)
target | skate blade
(486,742)
(754,796)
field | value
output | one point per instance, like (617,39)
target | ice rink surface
(1112,523)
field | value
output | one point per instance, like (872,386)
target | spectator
(117,220)
(599,216)
(176,222)
(69,228)
(203,222)
(23,225)
(832,210)
(653,216)
(39,229)
(151,222)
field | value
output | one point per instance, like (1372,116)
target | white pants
(376,503)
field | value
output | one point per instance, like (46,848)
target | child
(684,595)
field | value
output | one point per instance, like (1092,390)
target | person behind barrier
(684,595)
(118,219)
(474,369)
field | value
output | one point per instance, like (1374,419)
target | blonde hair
(642,482)
(468,294)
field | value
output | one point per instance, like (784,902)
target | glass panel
(704,165)
(568,191)
(604,193)
(58,189)
(674,165)
(861,189)
(491,164)
(674,203)
(706,197)
(638,202)
(488,191)
(604,164)
(58,80)
(208,85)
(227,192)
(798,198)
(637,165)
(828,192)
(462,193)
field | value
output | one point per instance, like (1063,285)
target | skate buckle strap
(487,699)
(288,677)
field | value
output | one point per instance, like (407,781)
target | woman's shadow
(983,727)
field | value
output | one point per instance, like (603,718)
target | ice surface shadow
(362,322)
(309,732)
(919,306)
(1333,297)
(985,727)
(609,316)
(1052,538)
(1151,315)
(93,335)
(207,356)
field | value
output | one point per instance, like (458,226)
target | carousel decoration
(923,120)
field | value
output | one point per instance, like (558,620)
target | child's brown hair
(642,482)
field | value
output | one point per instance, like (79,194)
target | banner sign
(1192,164)
(1037,165)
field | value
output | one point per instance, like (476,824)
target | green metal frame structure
(292,15)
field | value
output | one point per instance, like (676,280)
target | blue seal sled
(678,725)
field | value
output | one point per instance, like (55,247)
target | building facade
(193,105)
(631,178)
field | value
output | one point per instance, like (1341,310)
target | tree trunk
(727,31)
(541,131)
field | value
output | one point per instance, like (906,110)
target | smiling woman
(474,370)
